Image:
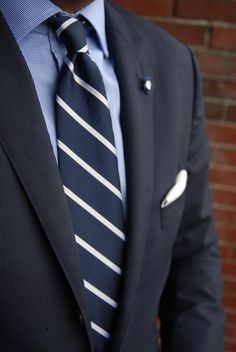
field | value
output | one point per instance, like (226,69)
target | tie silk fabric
(89,170)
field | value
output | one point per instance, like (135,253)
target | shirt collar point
(106,53)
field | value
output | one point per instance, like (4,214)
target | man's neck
(71,5)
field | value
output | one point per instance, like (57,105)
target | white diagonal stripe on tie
(85,125)
(89,169)
(94,213)
(100,330)
(83,50)
(84,84)
(100,294)
(98,255)
(65,25)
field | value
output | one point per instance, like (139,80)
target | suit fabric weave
(171,265)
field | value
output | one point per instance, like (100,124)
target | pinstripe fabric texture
(88,166)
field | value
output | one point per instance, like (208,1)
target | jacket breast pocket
(172,214)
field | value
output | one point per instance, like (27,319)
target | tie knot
(71,32)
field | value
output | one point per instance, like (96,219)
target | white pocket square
(176,191)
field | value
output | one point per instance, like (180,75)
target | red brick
(224,197)
(186,33)
(231,318)
(208,9)
(229,331)
(232,66)
(149,7)
(222,133)
(226,234)
(225,253)
(213,64)
(230,286)
(214,111)
(234,257)
(223,38)
(229,270)
(231,113)
(225,216)
(217,65)
(223,156)
(230,346)
(222,176)
(229,302)
(227,157)
(220,88)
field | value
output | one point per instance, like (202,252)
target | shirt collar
(23,16)
(95,14)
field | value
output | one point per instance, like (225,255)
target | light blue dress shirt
(44,55)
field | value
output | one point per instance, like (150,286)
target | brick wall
(209,28)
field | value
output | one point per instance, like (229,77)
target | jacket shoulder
(152,34)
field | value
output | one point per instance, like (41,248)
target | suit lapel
(24,137)
(136,119)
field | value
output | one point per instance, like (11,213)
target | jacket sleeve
(191,313)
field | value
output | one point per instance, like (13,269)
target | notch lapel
(24,137)
(136,120)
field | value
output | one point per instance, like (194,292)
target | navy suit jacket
(171,268)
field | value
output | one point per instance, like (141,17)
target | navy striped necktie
(88,165)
